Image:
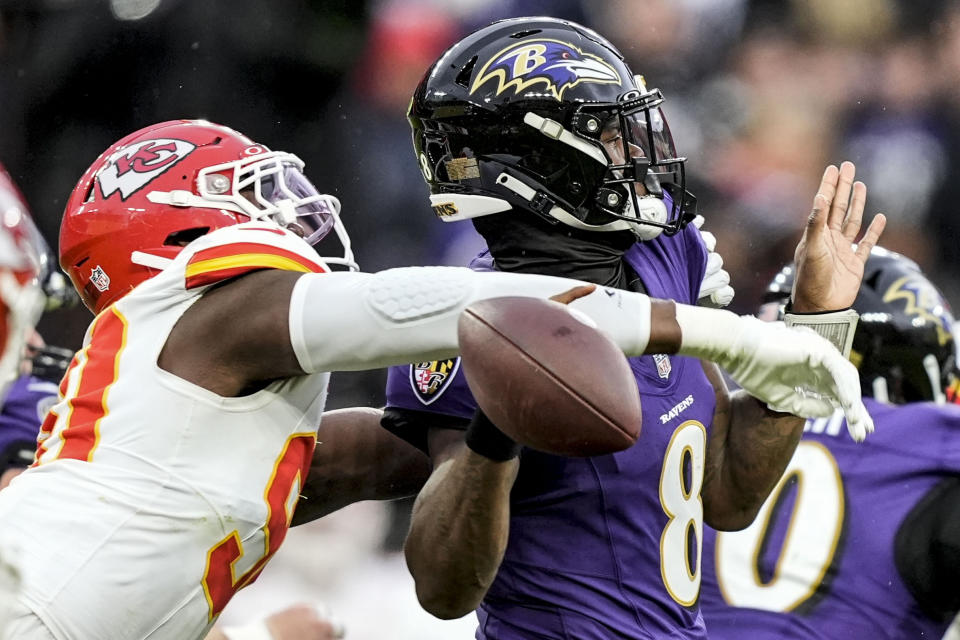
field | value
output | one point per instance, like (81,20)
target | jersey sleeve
(427,395)
(241,249)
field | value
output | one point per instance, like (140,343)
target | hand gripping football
(547,379)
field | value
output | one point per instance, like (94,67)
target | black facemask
(522,243)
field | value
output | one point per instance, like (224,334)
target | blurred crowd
(761,95)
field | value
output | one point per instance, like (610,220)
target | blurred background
(761,95)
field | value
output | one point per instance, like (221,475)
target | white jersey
(152,500)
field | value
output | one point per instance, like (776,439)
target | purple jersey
(23,410)
(818,562)
(603,547)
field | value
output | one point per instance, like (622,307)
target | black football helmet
(904,346)
(544,115)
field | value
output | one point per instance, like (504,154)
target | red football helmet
(154,191)
(23,259)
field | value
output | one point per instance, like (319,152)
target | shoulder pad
(234,251)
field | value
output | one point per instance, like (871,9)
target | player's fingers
(859,422)
(841,199)
(714,263)
(817,219)
(570,295)
(856,431)
(871,237)
(698,221)
(851,225)
(807,407)
(847,392)
(828,183)
(709,240)
(723,296)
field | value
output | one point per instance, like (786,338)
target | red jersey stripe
(89,405)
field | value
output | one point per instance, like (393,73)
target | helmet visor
(280,190)
(647,130)
(314,211)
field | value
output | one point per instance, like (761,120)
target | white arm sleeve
(349,321)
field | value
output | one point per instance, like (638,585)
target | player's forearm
(749,448)
(356,459)
(344,321)
(459,531)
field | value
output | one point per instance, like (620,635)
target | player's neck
(520,245)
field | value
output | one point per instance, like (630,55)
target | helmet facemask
(581,175)
(264,186)
(643,170)
(272,186)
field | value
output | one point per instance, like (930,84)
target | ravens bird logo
(555,64)
(924,303)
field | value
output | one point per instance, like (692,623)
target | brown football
(547,379)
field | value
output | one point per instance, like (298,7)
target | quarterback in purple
(859,540)
(537,131)
(583,533)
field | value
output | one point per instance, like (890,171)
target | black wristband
(484,438)
(788,308)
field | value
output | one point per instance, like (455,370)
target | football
(548,379)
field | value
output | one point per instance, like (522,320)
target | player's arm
(460,521)
(748,450)
(356,459)
(460,524)
(284,324)
(750,444)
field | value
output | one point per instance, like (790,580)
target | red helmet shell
(22,254)
(109,214)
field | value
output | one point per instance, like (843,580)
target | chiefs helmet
(23,258)
(904,346)
(543,115)
(154,191)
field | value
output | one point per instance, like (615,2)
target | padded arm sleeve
(349,321)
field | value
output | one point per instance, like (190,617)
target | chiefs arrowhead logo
(134,166)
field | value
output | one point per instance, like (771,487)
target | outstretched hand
(829,261)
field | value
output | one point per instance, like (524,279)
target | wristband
(837,327)
(484,438)
(253,631)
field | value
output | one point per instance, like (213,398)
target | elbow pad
(348,321)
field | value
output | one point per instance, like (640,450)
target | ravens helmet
(904,346)
(544,115)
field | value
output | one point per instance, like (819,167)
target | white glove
(792,369)
(715,290)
